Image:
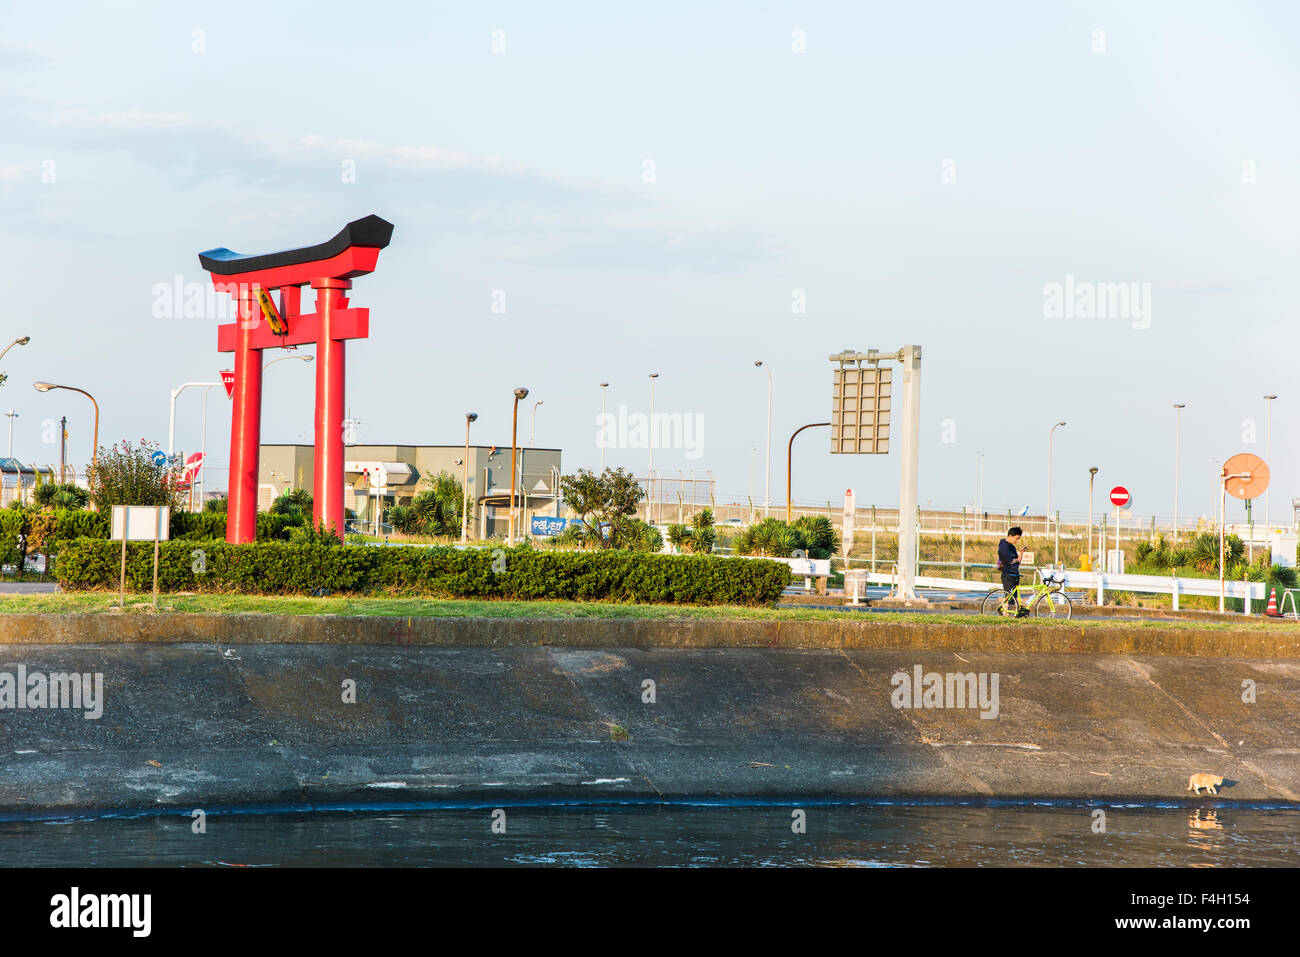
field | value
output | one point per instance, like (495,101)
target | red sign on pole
(228,380)
(1119,496)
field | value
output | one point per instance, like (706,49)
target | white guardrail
(1085,581)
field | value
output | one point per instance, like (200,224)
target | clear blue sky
(821,171)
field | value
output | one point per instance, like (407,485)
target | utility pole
(12,415)
(63,448)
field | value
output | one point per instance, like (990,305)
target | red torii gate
(329,269)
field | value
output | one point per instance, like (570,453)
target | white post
(1101,560)
(603,423)
(1175,589)
(767,481)
(1268,452)
(907,485)
(1223,504)
(963,541)
(650,441)
(1178,448)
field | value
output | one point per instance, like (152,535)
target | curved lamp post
(464,512)
(17,342)
(520,394)
(767,481)
(789,460)
(47,386)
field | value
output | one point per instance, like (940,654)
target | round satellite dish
(1253,467)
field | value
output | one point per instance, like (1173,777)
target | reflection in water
(681,836)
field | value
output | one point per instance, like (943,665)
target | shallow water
(684,836)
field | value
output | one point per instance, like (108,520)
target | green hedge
(275,568)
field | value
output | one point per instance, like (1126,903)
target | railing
(1085,581)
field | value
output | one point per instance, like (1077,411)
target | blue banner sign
(546,525)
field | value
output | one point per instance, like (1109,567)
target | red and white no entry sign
(1119,496)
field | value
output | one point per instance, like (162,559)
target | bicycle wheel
(995,602)
(1055,604)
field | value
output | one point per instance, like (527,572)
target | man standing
(1009,565)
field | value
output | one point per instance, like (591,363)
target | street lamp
(650,441)
(1268,454)
(464,485)
(603,423)
(47,386)
(17,342)
(13,415)
(1092,475)
(979,491)
(789,466)
(1050,436)
(1178,453)
(520,393)
(533,433)
(285,359)
(767,481)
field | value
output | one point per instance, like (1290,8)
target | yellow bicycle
(1047,599)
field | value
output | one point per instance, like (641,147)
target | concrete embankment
(223,712)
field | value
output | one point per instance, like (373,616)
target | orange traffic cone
(1272,604)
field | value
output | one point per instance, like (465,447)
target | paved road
(28,588)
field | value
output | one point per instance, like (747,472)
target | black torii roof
(368,231)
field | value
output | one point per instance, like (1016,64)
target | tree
(438,508)
(606,505)
(813,535)
(124,474)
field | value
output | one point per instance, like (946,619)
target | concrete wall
(209,716)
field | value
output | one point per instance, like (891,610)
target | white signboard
(142,523)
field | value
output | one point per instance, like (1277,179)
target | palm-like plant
(817,536)
(404,519)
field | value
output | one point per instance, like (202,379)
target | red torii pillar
(329,269)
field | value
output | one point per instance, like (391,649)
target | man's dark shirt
(1009,559)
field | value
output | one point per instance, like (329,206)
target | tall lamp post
(1050,436)
(1268,455)
(767,481)
(1178,455)
(47,386)
(789,466)
(12,415)
(520,393)
(1092,476)
(979,491)
(603,387)
(464,485)
(650,441)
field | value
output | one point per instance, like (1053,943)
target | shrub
(278,568)
(60,496)
(124,474)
